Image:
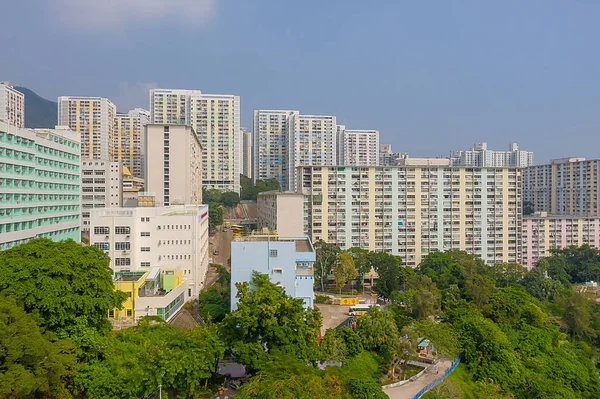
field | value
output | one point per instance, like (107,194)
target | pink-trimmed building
(541,233)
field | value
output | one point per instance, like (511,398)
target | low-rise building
(101,187)
(139,239)
(159,291)
(40,185)
(542,232)
(287,261)
(131,187)
(282,212)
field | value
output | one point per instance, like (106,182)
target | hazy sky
(431,76)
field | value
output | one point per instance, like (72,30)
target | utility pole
(159,391)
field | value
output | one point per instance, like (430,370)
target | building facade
(94,119)
(247,153)
(541,233)
(128,143)
(567,186)
(413,211)
(314,139)
(141,239)
(12,105)
(357,147)
(287,261)
(271,145)
(282,212)
(389,158)
(173,164)
(101,187)
(216,120)
(480,156)
(40,185)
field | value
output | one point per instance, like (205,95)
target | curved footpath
(410,389)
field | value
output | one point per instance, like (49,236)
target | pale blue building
(287,261)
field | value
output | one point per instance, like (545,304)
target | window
(145,264)
(277,271)
(122,230)
(122,262)
(104,246)
(111,313)
(128,312)
(122,246)
(101,230)
(273,253)
(145,219)
(145,234)
(145,249)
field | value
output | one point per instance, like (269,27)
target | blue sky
(431,76)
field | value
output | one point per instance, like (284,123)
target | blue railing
(438,380)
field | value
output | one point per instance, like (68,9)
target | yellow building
(411,211)
(157,292)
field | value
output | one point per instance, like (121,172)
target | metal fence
(438,380)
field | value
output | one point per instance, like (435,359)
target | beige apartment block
(93,118)
(357,147)
(128,142)
(567,186)
(413,211)
(281,211)
(12,105)
(173,164)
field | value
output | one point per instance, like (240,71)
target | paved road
(222,242)
(410,389)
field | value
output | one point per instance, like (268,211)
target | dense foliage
(250,190)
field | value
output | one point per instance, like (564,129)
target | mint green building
(40,184)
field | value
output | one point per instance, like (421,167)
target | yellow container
(348,301)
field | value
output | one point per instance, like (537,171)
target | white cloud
(132,95)
(115,14)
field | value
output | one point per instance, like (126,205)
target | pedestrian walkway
(410,389)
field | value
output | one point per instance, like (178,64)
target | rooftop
(302,243)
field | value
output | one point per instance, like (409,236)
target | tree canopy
(66,284)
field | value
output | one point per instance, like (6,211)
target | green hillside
(39,112)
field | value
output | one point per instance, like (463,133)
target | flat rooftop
(129,277)
(302,243)
(303,246)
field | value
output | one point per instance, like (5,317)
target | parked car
(216,253)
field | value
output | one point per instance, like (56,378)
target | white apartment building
(101,187)
(314,139)
(128,143)
(480,156)
(406,161)
(566,186)
(271,144)
(357,147)
(413,211)
(216,120)
(170,238)
(389,158)
(173,164)
(12,105)
(247,153)
(94,119)
(542,232)
(40,185)
(282,212)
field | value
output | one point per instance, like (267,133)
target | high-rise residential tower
(246,152)
(216,120)
(415,210)
(357,147)
(94,119)
(314,139)
(174,164)
(567,186)
(271,145)
(128,141)
(479,155)
(12,105)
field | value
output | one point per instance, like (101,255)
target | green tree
(423,299)
(332,347)
(211,195)
(377,328)
(575,314)
(351,340)
(65,283)
(326,257)
(212,305)
(230,198)
(267,319)
(32,363)
(133,362)
(507,274)
(215,215)
(345,270)
(390,271)
(362,263)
